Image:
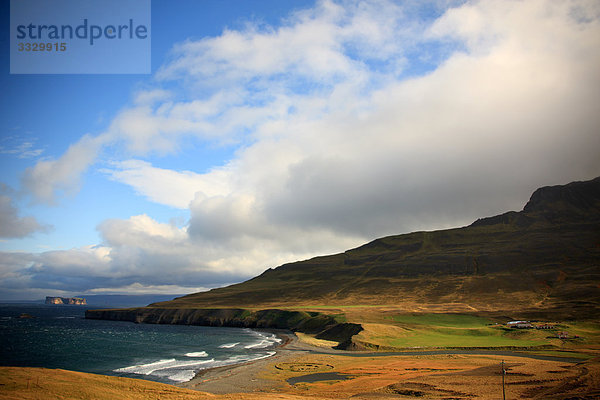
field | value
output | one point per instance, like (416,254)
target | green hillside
(545,258)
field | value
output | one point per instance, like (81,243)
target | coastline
(301,368)
(244,377)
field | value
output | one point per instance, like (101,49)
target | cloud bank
(352,120)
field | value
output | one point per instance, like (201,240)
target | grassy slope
(479,268)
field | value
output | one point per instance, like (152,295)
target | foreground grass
(43,384)
(384,377)
(437,377)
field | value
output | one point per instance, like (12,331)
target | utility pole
(503,373)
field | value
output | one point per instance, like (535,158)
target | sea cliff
(323,326)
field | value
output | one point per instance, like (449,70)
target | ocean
(60,337)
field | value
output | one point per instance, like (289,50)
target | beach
(247,377)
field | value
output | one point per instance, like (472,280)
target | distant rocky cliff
(65,300)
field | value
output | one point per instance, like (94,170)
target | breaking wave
(183,371)
(228,345)
(175,370)
(197,354)
(265,340)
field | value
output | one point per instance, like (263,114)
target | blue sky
(273,131)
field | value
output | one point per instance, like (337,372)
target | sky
(269,132)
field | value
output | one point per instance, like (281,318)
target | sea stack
(66,300)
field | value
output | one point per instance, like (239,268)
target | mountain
(545,258)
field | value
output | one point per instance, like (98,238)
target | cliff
(66,300)
(323,326)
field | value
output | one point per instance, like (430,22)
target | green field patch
(445,320)
(446,337)
(436,330)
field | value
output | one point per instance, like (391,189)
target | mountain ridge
(544,257)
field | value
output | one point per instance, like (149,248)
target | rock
(65,300)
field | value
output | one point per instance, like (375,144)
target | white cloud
(165,186)
(48,177)
(140,230)
(11,224)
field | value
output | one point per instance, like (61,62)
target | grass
(310,339)
(459,338)
(40,383)
(445,320)
(429,330)
(451,330)
(333,307)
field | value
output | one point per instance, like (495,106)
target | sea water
(61,337)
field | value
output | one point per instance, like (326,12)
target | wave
(260,345)
(185,367)
(245,358)
(183,371)
(197,354)
(184,375)
(266,341)
(175,370)
(146,369)
(240,359)
(228,345)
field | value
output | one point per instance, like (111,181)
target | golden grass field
(390,377)
(443,377)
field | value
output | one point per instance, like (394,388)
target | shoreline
(326,373)
(243,377)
